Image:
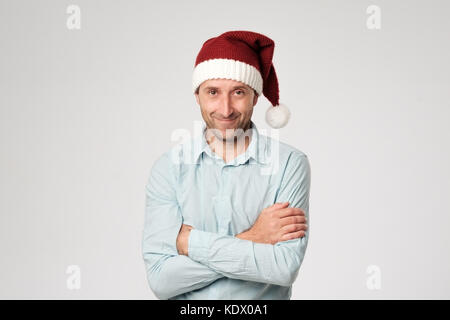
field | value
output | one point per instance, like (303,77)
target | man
(226,213)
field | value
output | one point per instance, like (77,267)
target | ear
(255,99)
(197,98)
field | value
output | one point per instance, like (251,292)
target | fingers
(293,220)
(293,235)
(279,205)
(286,212)
(186,227)
(294,228)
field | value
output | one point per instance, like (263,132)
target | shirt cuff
(199,244)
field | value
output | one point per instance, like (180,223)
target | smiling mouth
(226,120)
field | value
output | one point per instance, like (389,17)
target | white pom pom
(277,116)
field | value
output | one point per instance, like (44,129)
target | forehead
(224,84)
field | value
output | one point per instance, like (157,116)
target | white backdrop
(85,113)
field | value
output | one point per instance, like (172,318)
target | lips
(227,120)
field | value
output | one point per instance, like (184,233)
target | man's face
(226,104)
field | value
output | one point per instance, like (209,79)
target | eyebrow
(234,88)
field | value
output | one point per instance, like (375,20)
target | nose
(226,108)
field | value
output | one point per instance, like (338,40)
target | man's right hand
(277,223)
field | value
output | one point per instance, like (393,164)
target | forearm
(240,258)
(169,276)
(246,235)
(169,273)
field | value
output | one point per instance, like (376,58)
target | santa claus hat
(243,56)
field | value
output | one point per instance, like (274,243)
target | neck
(228,150)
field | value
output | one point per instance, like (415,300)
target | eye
(212,90)
(241,92)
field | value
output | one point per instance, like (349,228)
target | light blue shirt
(191,184)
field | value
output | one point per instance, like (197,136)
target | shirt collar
(255,150)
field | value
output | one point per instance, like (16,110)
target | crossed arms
(210,256)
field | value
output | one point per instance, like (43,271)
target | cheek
(245,107)
(212,107)
(208,106)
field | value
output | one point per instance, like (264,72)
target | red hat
(243,56)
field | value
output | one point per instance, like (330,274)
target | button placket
(223,202)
